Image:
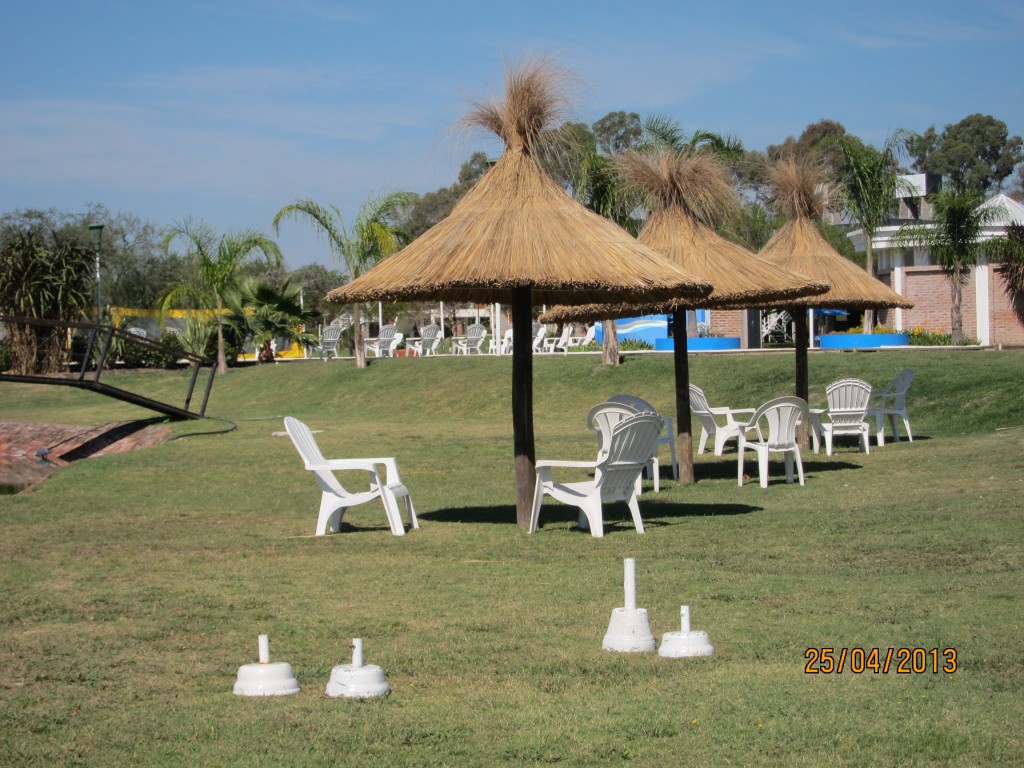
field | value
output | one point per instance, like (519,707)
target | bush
(919,337)
(634,345)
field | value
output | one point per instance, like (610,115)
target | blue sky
(227,110)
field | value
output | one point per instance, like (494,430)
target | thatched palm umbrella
(799,246)
(686,191)
(519,239)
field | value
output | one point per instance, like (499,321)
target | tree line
(46,256)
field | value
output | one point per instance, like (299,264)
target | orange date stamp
(880,661)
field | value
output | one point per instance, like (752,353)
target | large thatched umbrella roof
(800,247)
(686,191)
(517,238)
(516,228)
(802,196)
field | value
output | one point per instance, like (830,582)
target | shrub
(634,345)
(919,337)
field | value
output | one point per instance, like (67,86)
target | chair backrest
(591,335)
(330,335)
(699,407)
(475,336)
(604,417)
(506,341)
(387,333)
(629,450)
(899,387)
(312,458)
(780,416)
(639,404)
(429,333)
(538,336)
(395,341)
(848,400)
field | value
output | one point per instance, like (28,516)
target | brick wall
(1007,316)
(929,289)
(727,322)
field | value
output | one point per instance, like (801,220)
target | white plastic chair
(561,344)
(335,499)
(329,338)
(667,438)
(602,419)
(709,425)
(615,474)
(540,332)
(586,339)
(847,407)
(385,344)
(892,402)
(774,428)
(427,343)
(473,342)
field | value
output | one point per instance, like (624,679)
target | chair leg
(634,509)
(762,467)
(739,465)
(654,472)
(720,438)
(865,438)
(392,511)
(538,498)
(906,424)
(788,457)
(593,512)
(704,441)
(799,464)
(828,442)
(330,515)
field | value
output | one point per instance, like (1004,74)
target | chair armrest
(568,464)
(368,465)
(391,467)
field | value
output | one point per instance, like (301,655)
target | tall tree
(219,262)
(869,184)
(953,239)
(976,153)
(45,273)
(374,234)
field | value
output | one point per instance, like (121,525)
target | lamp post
(97,235)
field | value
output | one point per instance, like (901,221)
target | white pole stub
(630,584)
(264,649)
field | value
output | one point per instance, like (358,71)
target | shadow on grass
(725,469)
(616,514)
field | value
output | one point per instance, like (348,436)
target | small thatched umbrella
(801,195)
(686,192)
(519,239)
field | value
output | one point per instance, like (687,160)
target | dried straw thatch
(799,247)
(687,192)
(518,238)
(518,229)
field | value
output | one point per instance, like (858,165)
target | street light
(97,235)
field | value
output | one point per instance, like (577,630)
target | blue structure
(649,328)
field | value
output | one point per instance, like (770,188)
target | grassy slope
(135,584)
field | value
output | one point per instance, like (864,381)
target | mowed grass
(135,584)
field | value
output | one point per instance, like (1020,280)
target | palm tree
(373,236)
(219,263)
(263,312)
(953,238)
(869,191)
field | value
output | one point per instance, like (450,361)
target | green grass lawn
(136,584)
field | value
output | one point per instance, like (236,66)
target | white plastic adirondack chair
(585,339)
(667,438)
(385,343)
(774,428)
(709,425)
(473,342)
(602,419)
(847,408)
(615,473)
(561,344)
(540,332)
(426,345)
(892,402)
(329,342)
(335,499)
